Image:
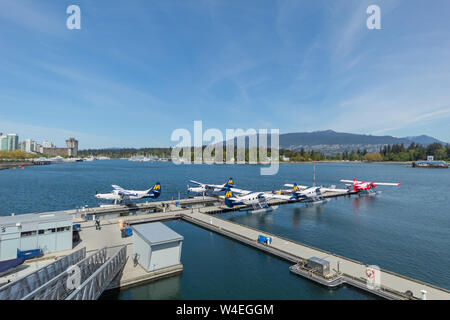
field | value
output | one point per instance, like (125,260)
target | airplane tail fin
(295,189)
(229,183)
(354,184)
(229,194)
(156,190)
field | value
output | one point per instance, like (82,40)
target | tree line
(396,152)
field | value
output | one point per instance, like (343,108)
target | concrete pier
(200,212)
(393,286)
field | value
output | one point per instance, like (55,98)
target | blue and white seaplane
(208,189)
(119,194)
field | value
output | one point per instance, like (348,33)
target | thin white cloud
(32,16)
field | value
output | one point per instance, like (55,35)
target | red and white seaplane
(367,187)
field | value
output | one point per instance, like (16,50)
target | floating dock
(200,212)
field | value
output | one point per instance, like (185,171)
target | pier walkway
(393,286)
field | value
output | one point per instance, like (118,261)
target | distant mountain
(424,140)
(332,142)
(330,137)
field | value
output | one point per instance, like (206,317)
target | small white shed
(156,246)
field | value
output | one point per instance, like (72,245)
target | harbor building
(156,246)
(49,232)
(71,149)
(55,151)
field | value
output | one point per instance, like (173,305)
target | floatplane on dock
(119,194)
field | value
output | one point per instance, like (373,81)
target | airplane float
(118,195)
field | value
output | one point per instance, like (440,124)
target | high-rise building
(23,146)
(29,146)
(13,142)
(3,143)
(72,147)
(47,144)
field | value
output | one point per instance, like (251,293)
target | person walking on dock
(97,224)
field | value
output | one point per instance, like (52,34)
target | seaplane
(308,192)
(363,187)
(119,194)
(305,193)
(252,201)
(205,188)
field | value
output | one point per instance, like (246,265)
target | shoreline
(14,163)
(339,161)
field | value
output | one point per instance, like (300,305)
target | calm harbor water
(405,229)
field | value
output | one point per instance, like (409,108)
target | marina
(200,212)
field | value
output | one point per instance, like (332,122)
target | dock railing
(23,286)
(93,287)
(61,286)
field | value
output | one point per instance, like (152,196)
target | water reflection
(363,203)
(158,290)
(307,212)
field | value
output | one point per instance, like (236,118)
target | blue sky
(137,70)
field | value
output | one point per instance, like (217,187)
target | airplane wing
(350,181)
(387,184)
(207,186)
(333,190)
(196,182)
(240,191)
(277,196)
(216,186)
(290,185)
(122,191)
(223,197)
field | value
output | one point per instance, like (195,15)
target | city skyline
(134,73)
(10,142)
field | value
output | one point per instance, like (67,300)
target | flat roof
(35,217)
(156,233)
(318,260)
